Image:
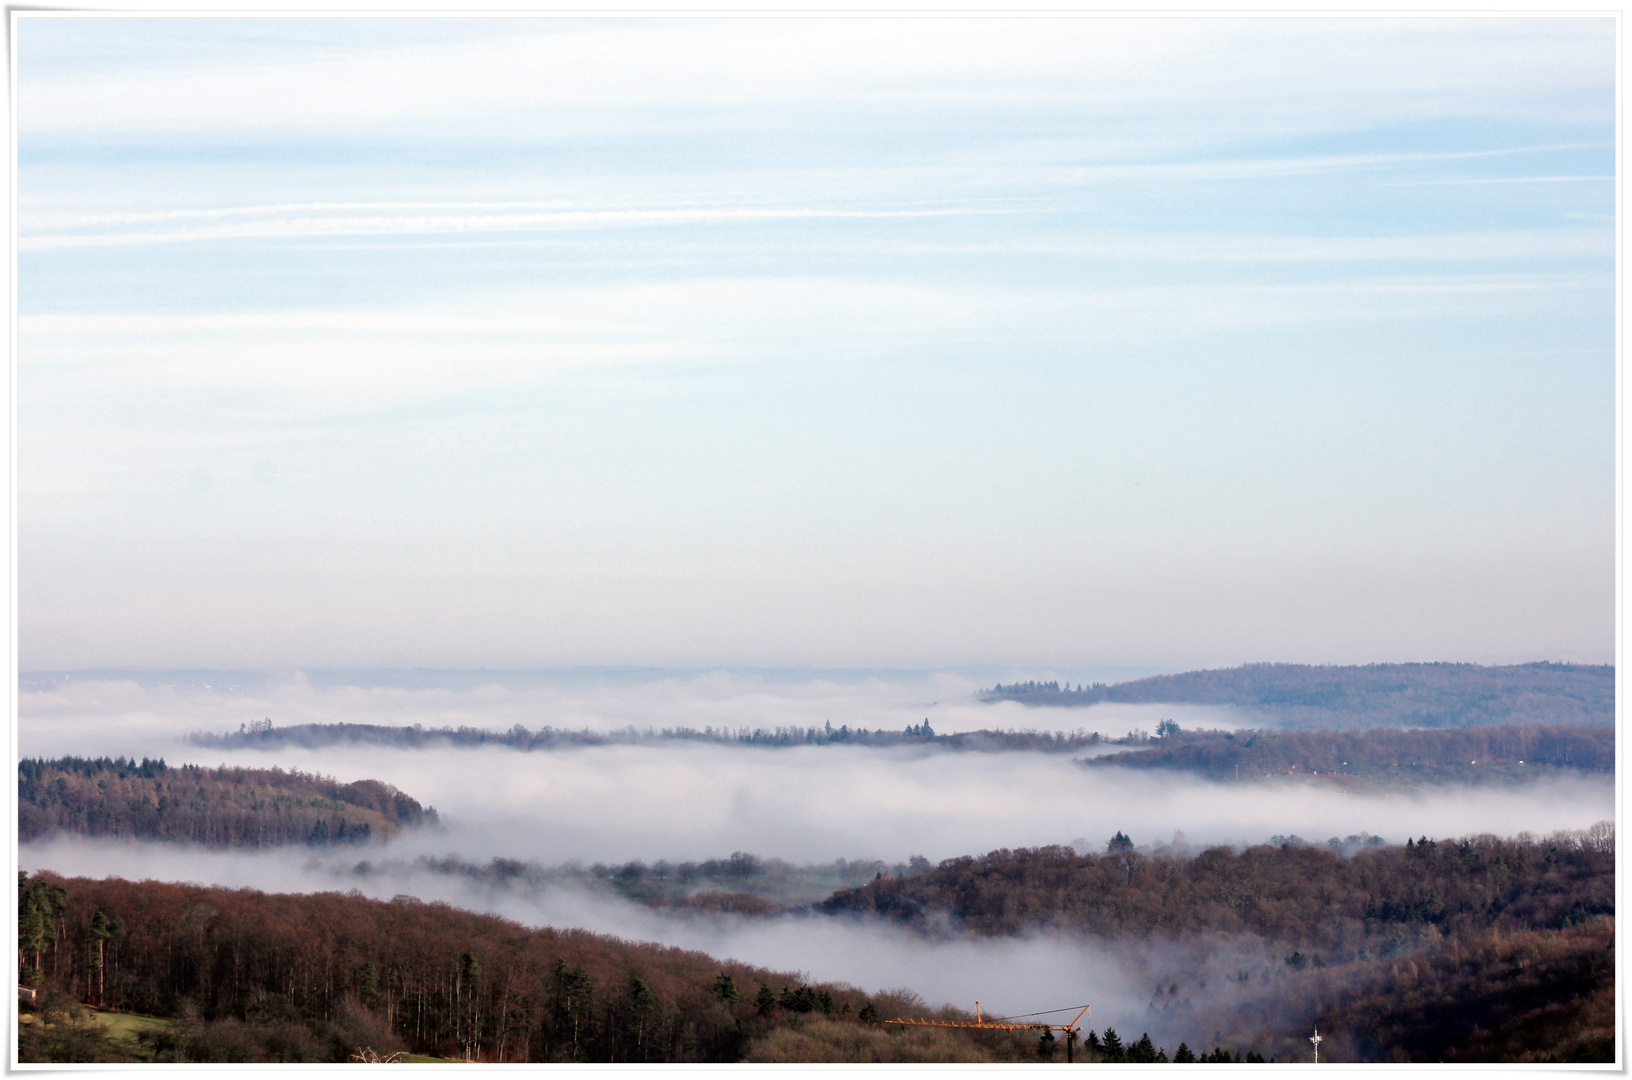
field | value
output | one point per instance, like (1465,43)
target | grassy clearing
(127,1027)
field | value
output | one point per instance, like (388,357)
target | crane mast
(978,1024)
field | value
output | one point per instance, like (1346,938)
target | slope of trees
(223,807)
(1478,949)
(250,976)
(1531,996)
(1468,754)
(1381,898)
(1373,695)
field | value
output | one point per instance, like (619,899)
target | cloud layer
(808,804)
(861,342)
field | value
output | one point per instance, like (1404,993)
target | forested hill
(1479,949)
(1514,753)
(1303,896)
(245,976)
(222,807)
(1374,695)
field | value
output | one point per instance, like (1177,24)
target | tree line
(1455,754)
(518,737)
(1300,895)
(222,806)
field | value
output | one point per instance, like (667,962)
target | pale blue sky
(854,342)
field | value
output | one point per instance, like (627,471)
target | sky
(834,342)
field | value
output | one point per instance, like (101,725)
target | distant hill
(262,735)
(1373,695)
(1492,754)
(226,807)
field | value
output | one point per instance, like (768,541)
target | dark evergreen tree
(574,996)
(642,1002)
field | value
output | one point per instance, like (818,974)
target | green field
(125,1027)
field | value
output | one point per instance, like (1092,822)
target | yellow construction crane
(1008,1024)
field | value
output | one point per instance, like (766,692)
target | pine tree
(641,1003)
(369,983)
(573,996)
(101,930)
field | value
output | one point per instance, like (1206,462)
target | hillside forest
(243,976)
(230,807)
(1459,755)
(1475,949)
(1371,695)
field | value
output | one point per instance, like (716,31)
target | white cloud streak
(555,75)
(426,225)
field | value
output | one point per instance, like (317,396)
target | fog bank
(1008,975)
(683,801)
(143,715)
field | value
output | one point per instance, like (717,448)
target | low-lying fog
(696,801)
(693,801)
(139,716)
(1041,971)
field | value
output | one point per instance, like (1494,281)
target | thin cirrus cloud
(434,224)
(1320,68)
(376,356)
(723,309)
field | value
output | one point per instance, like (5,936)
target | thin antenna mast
(1316,1038)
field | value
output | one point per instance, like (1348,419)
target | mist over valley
(587,835)
(709,540)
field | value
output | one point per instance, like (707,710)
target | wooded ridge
(1476,949)
(1459,754)
(1371,695)
(251,976)
(312,736)
(220,807)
